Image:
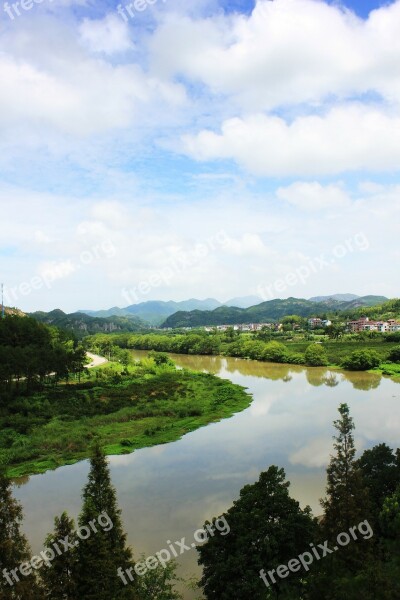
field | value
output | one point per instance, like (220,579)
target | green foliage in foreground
(269,533)
(127,407)
(88,567)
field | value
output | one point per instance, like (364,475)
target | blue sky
(212,150)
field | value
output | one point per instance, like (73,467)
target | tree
(347,499)
(381,474)
(316,356)
(394,355)
(105,550)
(60,578)
(267,528)
(352,572)
(389,521)
(275,352)
(334,331)
(14,550)
(159,583)
(362,360)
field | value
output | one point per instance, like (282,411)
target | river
(168,491)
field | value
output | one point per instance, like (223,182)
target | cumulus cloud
(286,52)
(314,196)
(109,35)
(348,138)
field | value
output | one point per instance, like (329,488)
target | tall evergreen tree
(103,552)
(59,579)
(351,571)
(347,501)
(14,550)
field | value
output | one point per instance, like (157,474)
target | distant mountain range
(272,310)
(139,317)
(82,324)
(156,311)
(340,297)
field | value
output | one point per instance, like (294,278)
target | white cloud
(286,52)
(314,196)
(348,138)
(109,35)
(314,454)
(53,83)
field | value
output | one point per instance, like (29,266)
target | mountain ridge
(271,310)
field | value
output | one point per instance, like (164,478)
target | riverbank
(126,408)
(273,349)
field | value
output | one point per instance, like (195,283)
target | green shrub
(315,356)
(361,360)
(275,352)
(394,355)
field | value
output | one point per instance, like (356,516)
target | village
(362,324)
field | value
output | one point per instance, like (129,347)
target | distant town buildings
(246,327)
(317,323)
(364,324)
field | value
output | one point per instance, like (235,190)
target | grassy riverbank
(125,407)
(290,348)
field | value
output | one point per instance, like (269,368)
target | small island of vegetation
(52,407)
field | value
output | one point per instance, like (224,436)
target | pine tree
(103,552)
(351,571)
(60,578)
(347,499)
(14,550)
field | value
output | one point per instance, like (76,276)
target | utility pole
(2,301)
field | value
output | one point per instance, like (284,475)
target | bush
(275,352)
(392,337)
(296,358)
(315,356)
(361,360)
(394,355)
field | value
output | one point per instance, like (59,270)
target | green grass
(390,369)
(144,408)
(338,350)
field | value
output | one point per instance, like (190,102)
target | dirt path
(96,360)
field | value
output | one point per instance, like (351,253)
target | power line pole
(2,301)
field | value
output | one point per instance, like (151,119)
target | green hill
(272,310)
(82,324)
(155,312)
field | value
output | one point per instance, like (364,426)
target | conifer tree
(14,550)
(350,571)
(105,550)
(60,579)
(347,499)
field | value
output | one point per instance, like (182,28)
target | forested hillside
(272,310)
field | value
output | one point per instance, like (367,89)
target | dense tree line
(30,352)
(356,540)
(260,346)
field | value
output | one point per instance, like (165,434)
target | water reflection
(167,492)
(316,376)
